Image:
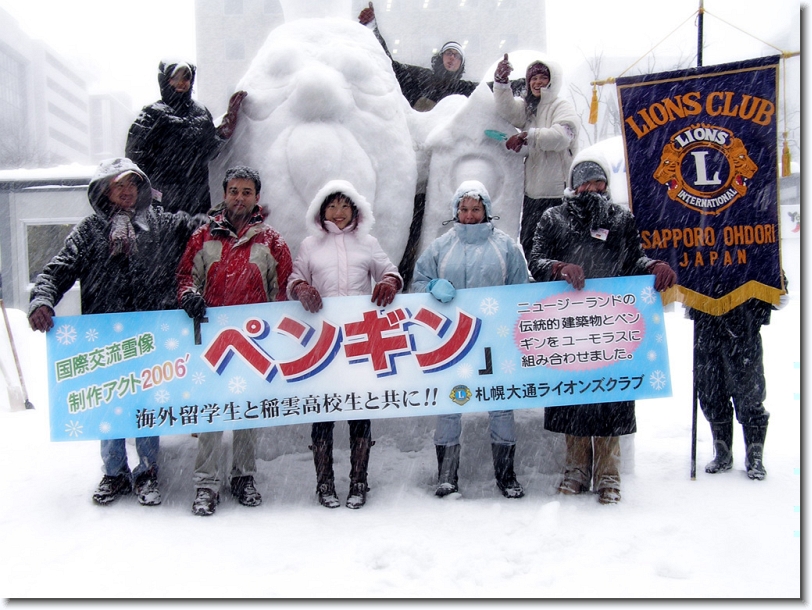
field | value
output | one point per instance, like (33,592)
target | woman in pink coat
(341,258)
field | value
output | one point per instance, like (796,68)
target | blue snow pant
(114,456)
(502,427)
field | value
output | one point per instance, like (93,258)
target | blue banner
(513,347)
(702,158)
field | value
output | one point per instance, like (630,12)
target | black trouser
(323,431)
(532,209)
(729,365)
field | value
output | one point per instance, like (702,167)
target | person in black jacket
(174,139)
(588,236)
(424,87)
(729,364)
(124,255)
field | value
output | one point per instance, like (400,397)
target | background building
(47,116)
(231,32)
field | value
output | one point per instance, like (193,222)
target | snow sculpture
(460,151)
(323,104)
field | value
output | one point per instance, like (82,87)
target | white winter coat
(340,262)
(552,134)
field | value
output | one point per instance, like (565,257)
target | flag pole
(699,44)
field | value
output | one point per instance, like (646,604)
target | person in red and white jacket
(235,259)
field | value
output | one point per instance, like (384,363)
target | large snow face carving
(323,104)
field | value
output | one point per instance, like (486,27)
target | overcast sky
(126,40)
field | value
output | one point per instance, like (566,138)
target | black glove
(194,305)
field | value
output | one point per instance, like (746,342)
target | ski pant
(114,456)
(593,459)
(323,431)
(729,362)
(210,452)
(449,428)
(532,209)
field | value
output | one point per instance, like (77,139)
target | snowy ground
(716,537)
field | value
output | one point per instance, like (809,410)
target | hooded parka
(144,280)
(471,256)
(340,262)
(172,141)
(552,131)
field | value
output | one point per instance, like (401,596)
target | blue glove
(442,290)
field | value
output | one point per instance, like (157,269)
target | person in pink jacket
(341,258)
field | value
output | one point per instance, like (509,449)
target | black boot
(722,448)
(448,462)
(754,445)
(503,469)
(359,462)
(325,480)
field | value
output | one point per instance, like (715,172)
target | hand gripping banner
(702,158)
(527,346)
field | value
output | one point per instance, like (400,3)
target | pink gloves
(572,273)
(664,276)
(367,15)
(229,124)
(385,290)
(516,142)
(41,319)
(503,70)
(308,296)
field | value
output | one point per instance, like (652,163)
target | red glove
(503,70)
(367,15)
(308,296)
(572,273)
(385,290)
(229,123)
(516,142)
(41,319)
(664,276)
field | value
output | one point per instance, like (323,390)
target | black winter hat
(586,171)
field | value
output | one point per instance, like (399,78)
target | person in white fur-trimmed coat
(341,258)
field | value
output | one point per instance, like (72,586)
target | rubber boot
(503,469)
(754,457)
(359,462)
(325,480)
(448,462)
(722,448)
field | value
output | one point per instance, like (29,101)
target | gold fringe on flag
(593,107)
(786,170)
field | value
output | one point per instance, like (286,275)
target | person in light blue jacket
(473,254)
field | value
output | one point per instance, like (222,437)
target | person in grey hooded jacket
(124,255)
(472,254)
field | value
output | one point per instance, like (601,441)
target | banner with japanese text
(513,347)
(702,158)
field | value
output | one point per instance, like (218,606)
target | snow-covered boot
(205,502)
(359,462)
(325,480)
(754,457)
(722,448)
(245,491)
(503,469)
(146,488)
(448,462)
(112,487)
